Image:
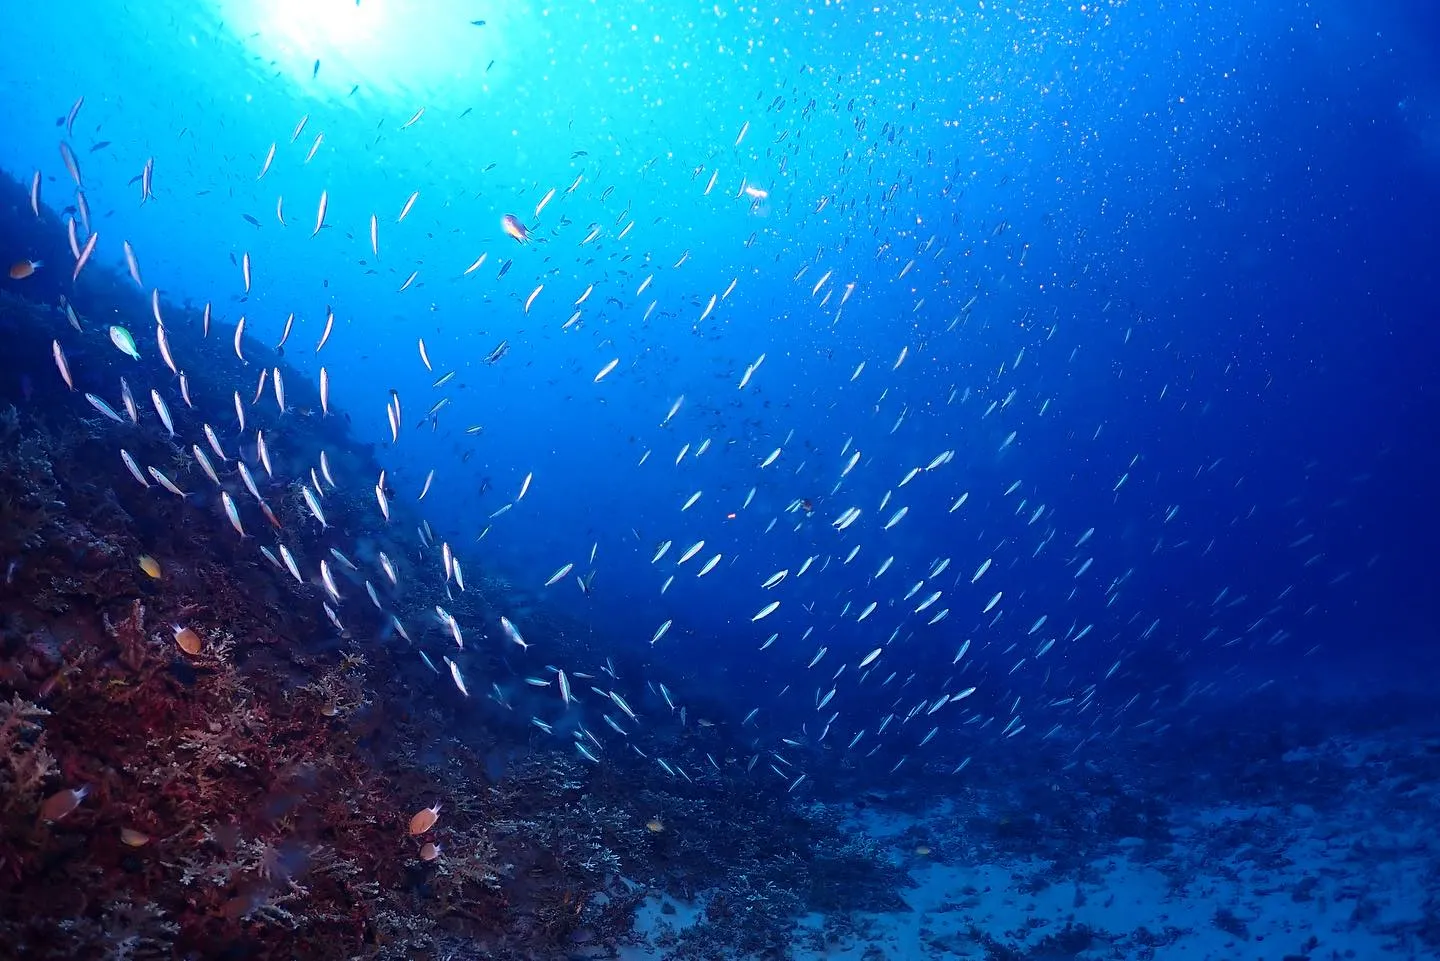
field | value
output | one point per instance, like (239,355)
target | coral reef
(248,796)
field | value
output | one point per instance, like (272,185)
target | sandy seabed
(1356,878)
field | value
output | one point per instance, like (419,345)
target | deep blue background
(1212,233)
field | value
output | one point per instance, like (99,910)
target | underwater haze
(833,481)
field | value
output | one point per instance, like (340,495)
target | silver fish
(133,467)
(232,512)
(264,453)
(64,367)
(329,580)
(314,504)
(104,408)
(249,480)
(163,411)
(129,401)
(290,564)
(205,464)
(164,343)
(166,482)
(214,442)
(389,568)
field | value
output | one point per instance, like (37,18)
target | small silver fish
(104,408)
(455,675)
(290,564)
(389,568)
(249,480)
(279,390)
(329,580)
(164,343)
(129,401)
(133,467)
(205,464)
(163,411)
(314,504)
(232,512)
(512,633)
(64,366)
(214,442)
(264,453)
(166,483)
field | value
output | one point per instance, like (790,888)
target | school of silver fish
(973,600)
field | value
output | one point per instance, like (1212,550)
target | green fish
(121,338)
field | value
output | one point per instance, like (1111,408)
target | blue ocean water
(1112,322)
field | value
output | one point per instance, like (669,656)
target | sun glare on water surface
(386,45)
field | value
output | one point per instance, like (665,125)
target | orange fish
(62,802)
(512,226)
(24,268)
(424,819)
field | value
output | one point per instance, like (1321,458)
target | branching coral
(127,930)
(29,502)
(129,636)
(27,763)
